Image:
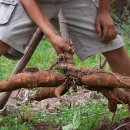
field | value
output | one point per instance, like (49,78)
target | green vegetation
(80,116)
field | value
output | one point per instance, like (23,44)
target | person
(90,25)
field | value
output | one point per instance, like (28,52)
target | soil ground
(53,103)
(124,124)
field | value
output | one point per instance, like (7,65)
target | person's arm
(40,19)
(104,22)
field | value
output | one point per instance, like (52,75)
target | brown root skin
(53,78)
(31,80)
(49,92)
(104,80)
(110,95)
(43,93)
(112,105)
(114,95)
(122,96)
(30,69)
(61,90)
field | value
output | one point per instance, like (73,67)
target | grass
(81,116)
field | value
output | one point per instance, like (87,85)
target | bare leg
(119,62)
(3,48)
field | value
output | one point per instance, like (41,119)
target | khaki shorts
(16,28)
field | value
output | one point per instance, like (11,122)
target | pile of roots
(54,83)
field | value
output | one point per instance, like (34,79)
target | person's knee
(3,48)
(115,54)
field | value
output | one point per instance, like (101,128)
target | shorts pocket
(96,3)
(6,10)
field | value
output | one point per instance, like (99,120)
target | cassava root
(105,79)
(55,84)
(49,92)
(31,80)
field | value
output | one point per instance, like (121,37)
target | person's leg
(119,61)
(3,48)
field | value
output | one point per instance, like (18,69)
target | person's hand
(105,27)
(60,45)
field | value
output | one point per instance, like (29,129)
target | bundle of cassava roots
(55,83)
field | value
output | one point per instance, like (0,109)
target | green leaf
(68,127)
(75,123)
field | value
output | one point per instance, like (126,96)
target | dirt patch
(45,126)
(123,124)
(51,103)
(54,103)
(105,124)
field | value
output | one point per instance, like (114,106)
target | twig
(122,126)
(103,64)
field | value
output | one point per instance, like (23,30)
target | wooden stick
(103,64)
(22,63)
(65,35)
